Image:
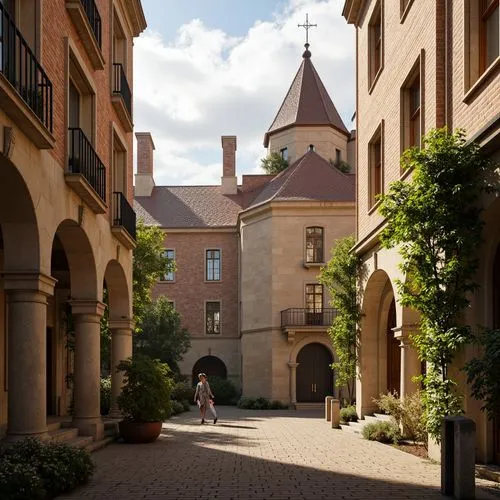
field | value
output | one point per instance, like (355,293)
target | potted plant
(145,398)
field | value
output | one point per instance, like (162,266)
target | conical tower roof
(306,103)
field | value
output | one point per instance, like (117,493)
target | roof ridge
(290,176)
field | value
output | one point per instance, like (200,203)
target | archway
(314,374)
(212,366)
(379,365)
(496,324)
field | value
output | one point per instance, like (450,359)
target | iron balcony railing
(94,18)
(307,317)
(123,213)
(21,68)
(121,86)
(84,160)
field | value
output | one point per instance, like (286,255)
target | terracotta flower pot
(139,432)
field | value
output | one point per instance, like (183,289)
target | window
(482,38)
(411,109)
(338,157)
(212,315)
(489,41)
(375,44)
(314,304)
(213,270)
(376,168)
(284,154)
(170,254)
(314,244)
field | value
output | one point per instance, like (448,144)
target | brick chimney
(229,182)
(144,181)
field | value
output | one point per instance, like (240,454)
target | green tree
(162,336)
(149,265)
(274,163)
(341,276)
(342,165)
(435,221)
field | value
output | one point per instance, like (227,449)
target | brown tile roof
(307,102)
(311,177)
(188,207)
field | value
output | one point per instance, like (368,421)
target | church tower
(308,119)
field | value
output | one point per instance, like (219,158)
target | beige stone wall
(297,140)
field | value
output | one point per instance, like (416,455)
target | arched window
(314,245)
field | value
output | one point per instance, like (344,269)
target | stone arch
(211,365)
(377,301)
(119,292)
(316,339)
(18,221)
(81,261)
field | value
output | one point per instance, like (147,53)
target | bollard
(328,408)
(335,413)
(458,457)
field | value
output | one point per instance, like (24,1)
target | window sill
(405,12)
(168,282)
(212,281)
(405,174)
(374,208)
(375,80)
(481,82)
(314,264)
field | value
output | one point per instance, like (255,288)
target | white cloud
(205,84)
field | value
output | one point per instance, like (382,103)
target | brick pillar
(229,180)
(144,181)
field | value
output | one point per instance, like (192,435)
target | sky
(206,68)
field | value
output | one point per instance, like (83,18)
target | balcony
(25,89)
(122,97)
(124,220)
(87,20)
(301,319)
(86,173)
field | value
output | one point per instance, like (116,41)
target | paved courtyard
(261,455)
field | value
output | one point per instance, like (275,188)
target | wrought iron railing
(121,86)
(307,317)
(123,213)
(94,18)
(83,159)
(21,68)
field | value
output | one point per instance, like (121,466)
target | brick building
(67,228)
(248,255)
(420,65)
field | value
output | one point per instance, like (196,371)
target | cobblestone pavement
(261,455)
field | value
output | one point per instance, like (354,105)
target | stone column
(87,317)
(293,383)
(121,349)
(410,364)
(27,359)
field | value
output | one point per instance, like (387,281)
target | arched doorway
(314,375)
(496,324)
(393,353)
(212,366)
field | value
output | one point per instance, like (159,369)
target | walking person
(204,398)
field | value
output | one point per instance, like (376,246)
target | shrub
(145,396)
(408,414)
(182,391)
(348,414)
(277,405)
(383,432)
(186,404)
(224,391)
(105,395)
(176,407)
(31,469)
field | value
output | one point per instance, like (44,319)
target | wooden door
(393,353)
(314,375)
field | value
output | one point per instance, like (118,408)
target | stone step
(63,435)
(53,426)
(97,445)
(383,416)
(81,441)
(310,406)
(351,430)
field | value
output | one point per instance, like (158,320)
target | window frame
(207,259)
(375,164)
(174,273)
(484,14)
(314,249)
(284,153)
(207,302)
(405,6)
(409,115)
(375,45)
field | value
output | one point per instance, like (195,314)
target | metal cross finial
(307,26)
